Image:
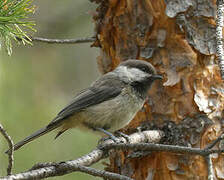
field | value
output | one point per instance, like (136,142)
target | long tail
(35,135)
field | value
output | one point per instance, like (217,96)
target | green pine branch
(14,23)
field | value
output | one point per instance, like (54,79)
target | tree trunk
(178,38)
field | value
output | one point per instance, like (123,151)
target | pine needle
(13,22)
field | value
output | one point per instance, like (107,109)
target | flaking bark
(178,38)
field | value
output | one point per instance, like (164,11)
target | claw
(110,136)
(121,134)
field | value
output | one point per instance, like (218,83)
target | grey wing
(105,88)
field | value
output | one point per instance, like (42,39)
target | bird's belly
(113,114)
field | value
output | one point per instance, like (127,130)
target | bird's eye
(144,69)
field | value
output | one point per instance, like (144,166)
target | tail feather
(60,133)
(35,135)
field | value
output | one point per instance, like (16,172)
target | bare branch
(64,41)
(137,142)
(88,170)
(10,154)
(162,147)
(55,169)
(85,169)
(219,42)
(211,175)
(102,173)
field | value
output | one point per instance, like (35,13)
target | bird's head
(137,73)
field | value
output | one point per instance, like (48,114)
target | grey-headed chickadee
(109,104)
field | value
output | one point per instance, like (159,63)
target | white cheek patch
(132,74)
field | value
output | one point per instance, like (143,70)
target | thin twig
(88,170)
(101,173)
(210,146)
(56,169)
(10,154)
(64,41)
(219,42)
(161,147)
(210,167)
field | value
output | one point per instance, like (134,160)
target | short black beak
(157,76)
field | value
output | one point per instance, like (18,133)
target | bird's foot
(121,134)
(113,138)
(110,137)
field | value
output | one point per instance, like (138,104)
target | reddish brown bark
(178,38)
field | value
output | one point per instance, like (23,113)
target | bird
(108,104)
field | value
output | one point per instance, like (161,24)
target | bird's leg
(111,136)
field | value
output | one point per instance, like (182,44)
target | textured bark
(178,38)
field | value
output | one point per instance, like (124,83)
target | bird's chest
(113,114)
(118,112)
(129,106)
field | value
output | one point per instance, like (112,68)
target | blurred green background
(39,80)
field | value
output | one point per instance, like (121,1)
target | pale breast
(114,114)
